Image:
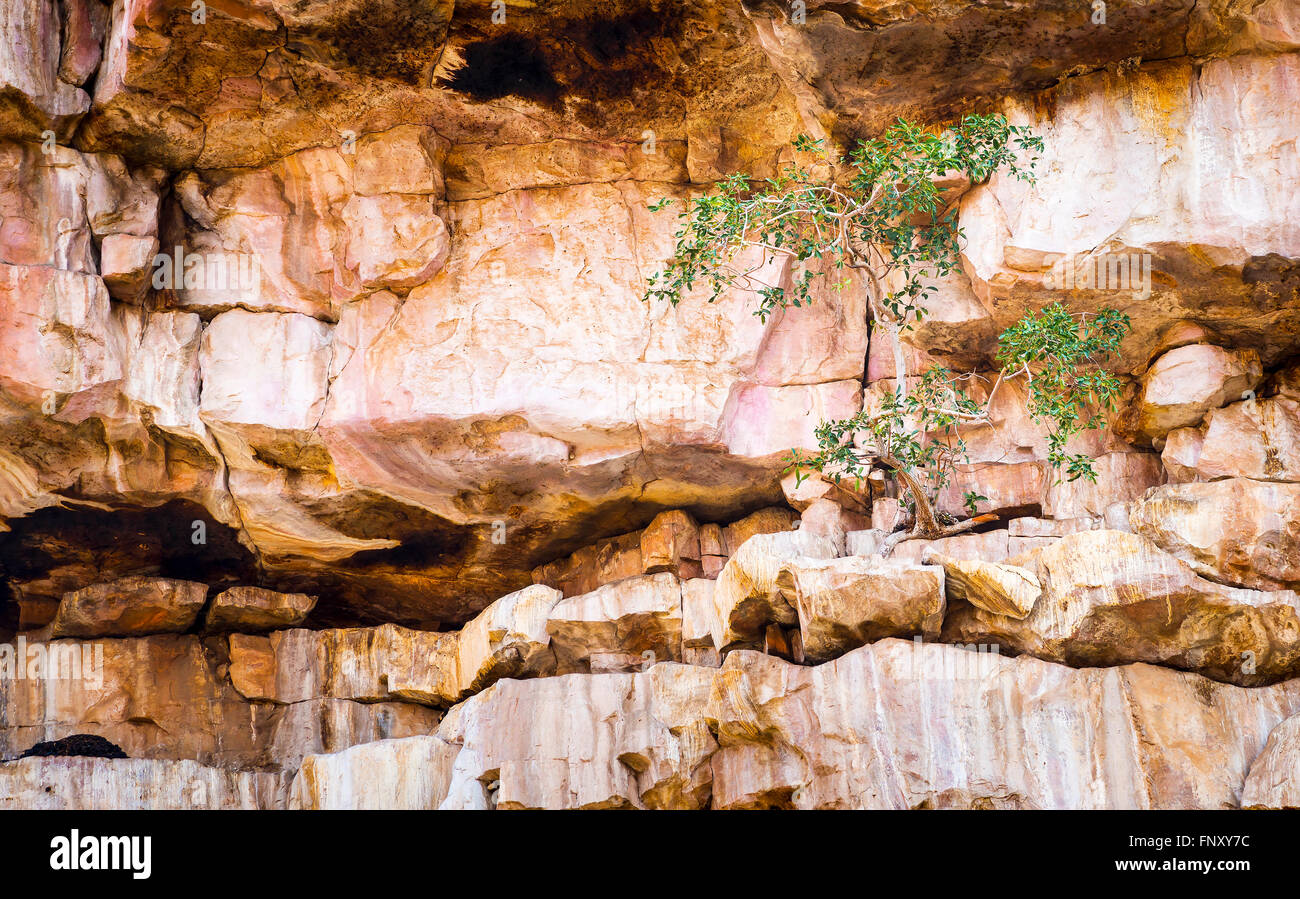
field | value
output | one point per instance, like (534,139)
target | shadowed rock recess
(342,464)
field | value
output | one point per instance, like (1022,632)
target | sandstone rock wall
(335,310)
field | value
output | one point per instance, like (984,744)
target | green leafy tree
(881,211)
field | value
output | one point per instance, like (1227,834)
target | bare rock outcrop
(135,784)
(625,624)
(130,607)
(1186,383)
(843,603)
(1110,598)
(1272,781)
(248,609)
(746,597)
(1236,530)
(760,732)
(995,587)
(507,639)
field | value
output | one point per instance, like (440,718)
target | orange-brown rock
(130,607)
(256,609)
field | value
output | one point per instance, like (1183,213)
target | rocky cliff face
(342,457)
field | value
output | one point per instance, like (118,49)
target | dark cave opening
(55,550)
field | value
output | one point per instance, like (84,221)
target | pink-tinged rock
(84,24)
(988,546)
(1272,781)
(318,228)
(282,390)
(126,264)
(867,542)
(638,619)
(32,96)
(1236,530)
(403,160)
(1182,454)
(55,333)
(42,210)
(817,343)
(1009,489)
(887,514)
(55,204)
(829,519)
(881,365)
(1121,477)
(394,240)
(766,421)
(1110,598)
(249,609)
(130,607)
(1259,440)
(167,697)
(800,494)
(95,784)
(1186,383)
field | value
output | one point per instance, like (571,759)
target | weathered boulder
(963,730)
(248,609)
(671,542)
(1254,439)
(1186,383)
(746,598)
(1027,246)
(844,603)
(1237,531)
(130,607)
(624,624)
(507,639)
(827,518)
(1110,598)
(992,586)
(1272,781)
